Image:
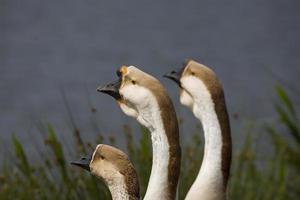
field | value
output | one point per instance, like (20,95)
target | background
(54,54)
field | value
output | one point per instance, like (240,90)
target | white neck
(209,182)
(119,191)
(158,182)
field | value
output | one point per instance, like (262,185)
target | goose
(143,97)
(113,167)
(202,92)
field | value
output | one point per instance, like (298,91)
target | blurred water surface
(47,47)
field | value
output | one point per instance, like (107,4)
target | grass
(275,175)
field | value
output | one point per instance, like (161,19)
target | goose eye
(133,82)
(193,73)
(102,157)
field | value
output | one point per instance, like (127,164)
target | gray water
(47,47)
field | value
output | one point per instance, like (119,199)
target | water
(73,46)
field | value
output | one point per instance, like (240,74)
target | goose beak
(84,163)
(111,89)
(174,75)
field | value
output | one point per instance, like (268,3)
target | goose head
(192,76)
(136,92)
(112,166)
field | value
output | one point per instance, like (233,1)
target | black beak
(84,163)
(111,89)
(174,75)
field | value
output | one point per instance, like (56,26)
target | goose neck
(161,121)
(119,191)
(158,182)
(209,183)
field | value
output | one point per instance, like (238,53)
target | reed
(254,175)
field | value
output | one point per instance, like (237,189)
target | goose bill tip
(83,163)
(174,76)
(111,89)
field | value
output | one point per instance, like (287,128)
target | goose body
(201,91)
(142,97)
(113,167)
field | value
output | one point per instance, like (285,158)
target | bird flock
(143,97)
